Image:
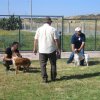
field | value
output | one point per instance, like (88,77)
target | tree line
(11,23)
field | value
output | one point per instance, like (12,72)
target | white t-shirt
(46,35)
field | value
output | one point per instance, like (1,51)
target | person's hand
(78,50)
(35,52)
(75,50)
(58,52)
(9,59)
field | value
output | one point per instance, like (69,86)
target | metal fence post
(95,32)
(19,33)
(62,33)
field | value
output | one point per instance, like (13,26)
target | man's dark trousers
(43,62)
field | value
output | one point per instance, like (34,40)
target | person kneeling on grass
(7,60)
(77,43)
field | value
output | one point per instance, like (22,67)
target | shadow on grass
(91,63)
(2,99)
(80,76)
(34,70)
(31,70)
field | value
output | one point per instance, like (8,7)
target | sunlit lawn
(73,83)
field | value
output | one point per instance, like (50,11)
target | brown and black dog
(18,62)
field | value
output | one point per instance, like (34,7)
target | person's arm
(73,47)
(18,54)
(36,42)
(6,59)
(35,45)
(58,51)
(73,44)
(57,44)
(82,46)
(83,43)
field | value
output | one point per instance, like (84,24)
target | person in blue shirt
(77,45)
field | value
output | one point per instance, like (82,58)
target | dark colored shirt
(77,40)
(9,52)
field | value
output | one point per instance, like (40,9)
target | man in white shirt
(46,38)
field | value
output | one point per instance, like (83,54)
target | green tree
(12,23)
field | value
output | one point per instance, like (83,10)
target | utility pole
(31,15)
(8,8)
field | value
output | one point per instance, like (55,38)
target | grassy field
(90,43)
(26,40)
(73,83)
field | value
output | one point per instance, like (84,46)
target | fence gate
(27,26)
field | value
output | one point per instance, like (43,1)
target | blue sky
(51,7)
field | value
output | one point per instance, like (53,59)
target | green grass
(90,43)
(27,38)
(7,37)
(73,83)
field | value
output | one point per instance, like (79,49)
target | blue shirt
(77,40)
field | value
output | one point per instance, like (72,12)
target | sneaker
(68,62)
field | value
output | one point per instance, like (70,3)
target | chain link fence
(25,35)
(89,27)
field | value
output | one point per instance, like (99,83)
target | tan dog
(18,62)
